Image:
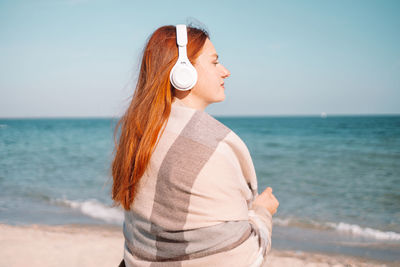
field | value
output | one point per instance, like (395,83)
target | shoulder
(198,129)
(197,125)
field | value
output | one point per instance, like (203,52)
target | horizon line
(218,115)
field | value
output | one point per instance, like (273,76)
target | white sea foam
(365,232)
(96,209)
(3,125)
(281,222)
(352,229)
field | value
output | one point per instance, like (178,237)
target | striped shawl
(194,202)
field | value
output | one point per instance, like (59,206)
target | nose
(225,73)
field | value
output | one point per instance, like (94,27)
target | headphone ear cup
(183,77)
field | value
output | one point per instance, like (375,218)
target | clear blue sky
(77,58)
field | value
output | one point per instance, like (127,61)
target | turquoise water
(337,178)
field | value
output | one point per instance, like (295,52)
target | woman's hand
(267,200)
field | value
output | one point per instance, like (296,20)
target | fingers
(274,198)
(277,202)
(268,190)
(267,200)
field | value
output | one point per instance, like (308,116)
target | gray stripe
(178,171)
(215,239)
(140,241)
(201,242)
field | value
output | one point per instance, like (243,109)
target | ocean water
(337,178)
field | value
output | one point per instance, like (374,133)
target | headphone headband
(181,35)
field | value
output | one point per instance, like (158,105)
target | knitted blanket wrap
(194,205)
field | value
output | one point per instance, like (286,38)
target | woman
(186,181)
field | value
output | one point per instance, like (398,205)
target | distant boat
(323,115)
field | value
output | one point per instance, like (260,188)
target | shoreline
(102,245)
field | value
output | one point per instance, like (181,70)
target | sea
(337,178)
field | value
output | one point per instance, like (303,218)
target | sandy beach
(82,245)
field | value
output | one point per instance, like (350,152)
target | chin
(219,99)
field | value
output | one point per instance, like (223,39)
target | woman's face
(211,74)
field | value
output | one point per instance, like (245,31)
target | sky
(79,58)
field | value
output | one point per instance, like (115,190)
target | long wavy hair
(144,120)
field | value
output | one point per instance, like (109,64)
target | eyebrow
(214,55)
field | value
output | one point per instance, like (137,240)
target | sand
(78,245)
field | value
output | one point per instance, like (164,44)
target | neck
(191,102)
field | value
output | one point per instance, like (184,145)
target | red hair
(148,112)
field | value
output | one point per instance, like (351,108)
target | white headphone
(183,75)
